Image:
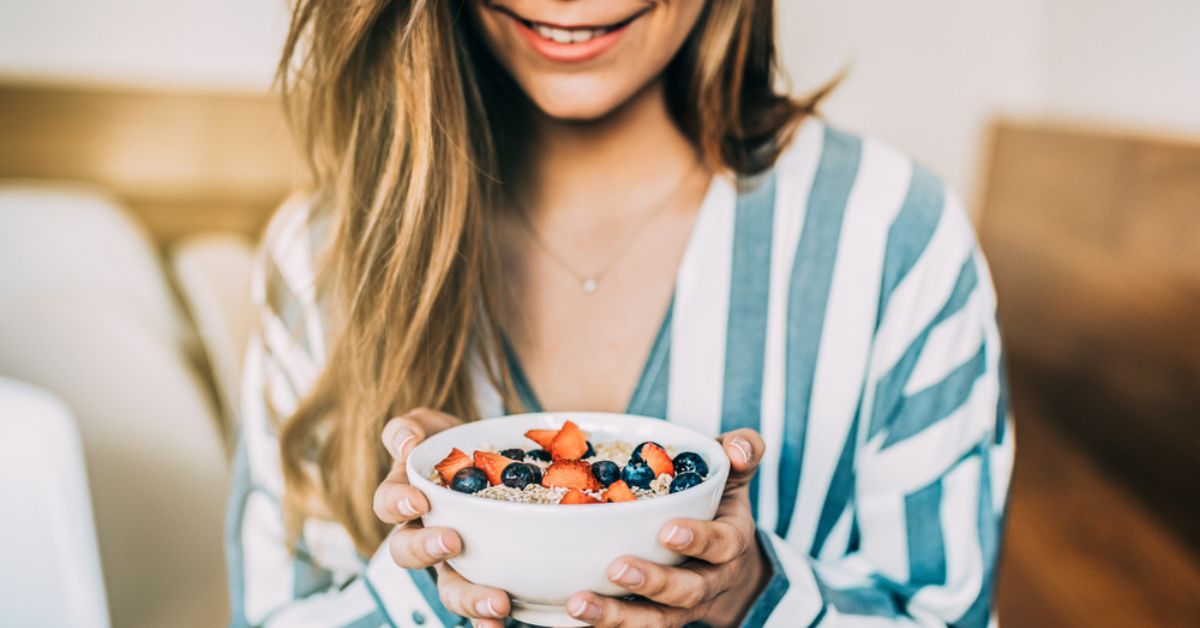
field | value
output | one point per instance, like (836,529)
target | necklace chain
(590,282)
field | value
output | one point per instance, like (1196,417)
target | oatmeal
(569,469)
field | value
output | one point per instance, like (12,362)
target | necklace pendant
(588,285)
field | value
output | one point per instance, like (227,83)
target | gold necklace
(590,282)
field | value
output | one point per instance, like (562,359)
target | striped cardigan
(838,304)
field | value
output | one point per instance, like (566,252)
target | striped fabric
(838,304)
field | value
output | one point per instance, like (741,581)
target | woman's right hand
(415,547)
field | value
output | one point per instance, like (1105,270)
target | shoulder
(870,189)
(288,251)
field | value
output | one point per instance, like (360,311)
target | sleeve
(270,584)
(932,467)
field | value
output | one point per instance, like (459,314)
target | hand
(724,575)
(415,547)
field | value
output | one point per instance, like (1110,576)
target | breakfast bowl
(543,553)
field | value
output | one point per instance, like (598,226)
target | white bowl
(542,554)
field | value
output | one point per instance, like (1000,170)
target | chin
(580,99)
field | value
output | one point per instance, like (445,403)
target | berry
(636,456)
(684,481)
(537,473)
(542,437)
(452,464)
(570,444)
(576,496)
(638,474)
(492,464)
(658,460)
(590,452)
(518,475)
(691,462)
(606,472)
(469,480)
(570,474)
(538,454)
(619,492)
(514,453)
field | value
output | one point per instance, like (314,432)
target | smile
(570,43)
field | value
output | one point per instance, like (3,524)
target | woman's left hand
(723,576)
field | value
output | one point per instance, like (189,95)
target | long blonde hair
(388,100)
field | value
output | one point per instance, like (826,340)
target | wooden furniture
(183,162)
(1094,242)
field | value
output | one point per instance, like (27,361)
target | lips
(563,43)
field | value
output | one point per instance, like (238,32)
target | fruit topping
(691,462)
(492,464)
(658,460)
(538,454)
(469,480)
(576,496)
(636,456)
(514,454)
(518,475)
(452,464)
(570,474)
(638,474)
(570,444)
(619,492)
(590,451)
(606,472)
(684,481)
(542,437)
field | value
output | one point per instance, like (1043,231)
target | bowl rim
(718,471)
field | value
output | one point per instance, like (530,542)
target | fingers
(686,586)
(606,612)
(484,605)
(717,542)
(397,503)
(745,450)
(414,547)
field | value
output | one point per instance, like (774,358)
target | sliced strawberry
(455,462)
(619,491)
(658,460)
(570,444)
(542,437)
(576,496)
(570,474)
(492,465)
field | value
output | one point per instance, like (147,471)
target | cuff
(408,597)
(792,596)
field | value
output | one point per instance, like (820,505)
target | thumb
(745,449)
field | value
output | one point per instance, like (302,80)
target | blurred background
(141,154)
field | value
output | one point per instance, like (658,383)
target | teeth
(568,36)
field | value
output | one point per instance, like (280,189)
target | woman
(604,205)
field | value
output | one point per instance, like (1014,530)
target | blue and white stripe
(840,305)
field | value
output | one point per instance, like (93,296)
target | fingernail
(436,546)
(628,575)
(406,508)
(584,610)
(486,608)
(678,536)
(743,447)
(404,437)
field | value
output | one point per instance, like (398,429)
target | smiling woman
(605,205)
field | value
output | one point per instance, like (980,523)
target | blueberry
(636,456)
(538,454)
(537,473)
(590,452)
(517,475)
(684,481)
(690,461)
(469,480)
(638,474)
(606,472)
(513,454)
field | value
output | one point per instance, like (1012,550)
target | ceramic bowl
(542,554)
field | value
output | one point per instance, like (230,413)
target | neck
(608,168)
